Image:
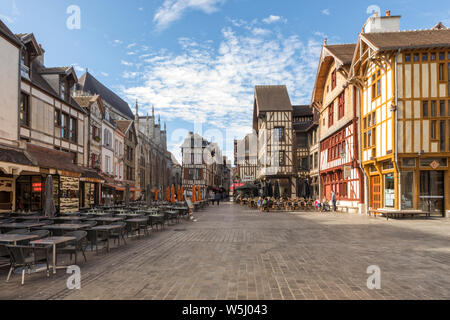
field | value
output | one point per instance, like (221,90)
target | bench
(390,214)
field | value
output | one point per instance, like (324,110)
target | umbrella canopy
(247,186)
(276,193)
(182,193)
(127,195)
(194,198)
(199,194)
(49,205)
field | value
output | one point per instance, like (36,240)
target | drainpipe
(396,132)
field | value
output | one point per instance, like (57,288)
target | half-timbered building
(246,157)
(337,102)
(403,77)
(272,121)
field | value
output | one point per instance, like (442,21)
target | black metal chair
(26,257)
(41,234)
(74,246)
(119,233)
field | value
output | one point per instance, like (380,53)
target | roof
(14,156)
(302,111)
(343,52)
(272,98)
(92,85)
(92,174)
(52,159)
(41,83)
(4,30)
(415,39)
(123,125)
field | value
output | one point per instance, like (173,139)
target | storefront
(6,193)
(30,191)
(425,185)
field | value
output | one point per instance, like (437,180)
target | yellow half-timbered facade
(403,78)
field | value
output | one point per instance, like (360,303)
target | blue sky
(198,60)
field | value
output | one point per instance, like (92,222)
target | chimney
(387,23)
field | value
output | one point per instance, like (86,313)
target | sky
(197,61)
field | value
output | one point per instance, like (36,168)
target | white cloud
(216,84)
(172,10)
(105,74)
(274,19)
(260,32)
(14,13)
(326,12)
(126,63)
(131,45)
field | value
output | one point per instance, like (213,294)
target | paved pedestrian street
(232,252)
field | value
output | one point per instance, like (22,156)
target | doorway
(375,184)
(432,192)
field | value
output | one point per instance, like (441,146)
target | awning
(91,176)
(47,158)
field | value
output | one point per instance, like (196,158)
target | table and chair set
(32,242)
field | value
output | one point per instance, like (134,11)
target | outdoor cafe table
(30,218)
(172,213)
(106,220)
(21,225)
(138,222)
(68,218)
(156,217)
(54,241)
(14,238)
(107,230)
(65,227)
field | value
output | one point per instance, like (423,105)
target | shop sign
(37,187)
(434,165)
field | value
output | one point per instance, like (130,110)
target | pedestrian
(211,197)
(333,200)
(218,198)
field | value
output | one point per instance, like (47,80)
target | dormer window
(63,90)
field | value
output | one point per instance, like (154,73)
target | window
(433,56)
(441,55)
(279,133)
(24,109)
(316,160)
(425,109)
(416,57)
(282,158)
(442,135)
(333,80)
(407,58)
(304,164)
(441,72)
(73,129)
(433,129)
(331,115)
(63,90)
(376,85)
(65,126)
(409,162)
(57,117)
(341,106)
(433,109)
(407,189)
(442,108)
(365,140)
(192,158)
(425,57)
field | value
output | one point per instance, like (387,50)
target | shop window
(389,191)
(407,189)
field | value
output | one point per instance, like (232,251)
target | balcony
(25,71)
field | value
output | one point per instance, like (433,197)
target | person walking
(333,200)
(211,197)
(218,198)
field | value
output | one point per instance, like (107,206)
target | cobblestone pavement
(232,252)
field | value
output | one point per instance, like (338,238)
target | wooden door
(376,192)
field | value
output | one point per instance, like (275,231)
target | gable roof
(90,84)
(432,38)
(342,52)
(4,30)
(272,98)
